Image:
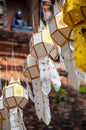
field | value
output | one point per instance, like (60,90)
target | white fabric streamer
(29,91)
(16,119)
(41,102)
(44,75)
(48,74)
(46,117)
(70,66)
(54,76)
(37,97)
(6,125)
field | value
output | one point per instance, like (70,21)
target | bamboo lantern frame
(74,12)
(41,44)
(59,31)
(15,95)
(30,68)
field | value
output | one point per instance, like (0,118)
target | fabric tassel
(46,117)
(29,91)
(46,66)
(70,66)
(41,102)
(44,75)
(6,125)
(38,100)
(16,119)
(54,77)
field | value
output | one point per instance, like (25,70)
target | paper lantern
(80,46)
(3,110)
(74,12)
(59,31)
(15,95)
(41,44)
(30,68)
(41,84)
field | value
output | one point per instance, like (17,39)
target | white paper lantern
(15,95)
(41,45)
(30,68)
(59,31)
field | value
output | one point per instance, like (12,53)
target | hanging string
(33,20)
(6,82)
(0,82)
(13,62)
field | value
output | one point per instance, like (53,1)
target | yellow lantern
(41,45)
(80,46)
(30,68)
(59,31)
(74,12)
(15,95)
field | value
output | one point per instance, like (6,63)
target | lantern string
(6,82)
(33,20)
(0,81)
(13,62)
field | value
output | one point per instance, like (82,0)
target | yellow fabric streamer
(80,46)
(74,12)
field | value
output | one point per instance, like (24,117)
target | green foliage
(62,91)
(83,89)
(52,87)
(61,96)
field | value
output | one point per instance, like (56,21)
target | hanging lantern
(41,45)
(74,12)
(30,68)
(59,31)
(15,98)
(80,46)
(42,69)
(39,71)
(15,95)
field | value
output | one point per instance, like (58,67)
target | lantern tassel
(46,117)
(29,92)
(16,119)
(70,66)
(46,66)
(38,100)
(6,124)
(41,102)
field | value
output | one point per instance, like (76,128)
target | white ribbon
(41,102)
(48,74)
(70,66)
(29,91)
(6,125)
(37,97)
(46,117)
(16,119)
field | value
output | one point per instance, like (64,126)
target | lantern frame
(41,44)
(59,31)
(29,67)
(74,12)
(12,97)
